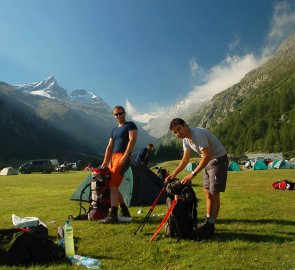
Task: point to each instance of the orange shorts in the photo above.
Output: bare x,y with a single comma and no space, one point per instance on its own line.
117,169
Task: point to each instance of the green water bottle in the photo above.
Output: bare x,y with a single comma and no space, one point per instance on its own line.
69,239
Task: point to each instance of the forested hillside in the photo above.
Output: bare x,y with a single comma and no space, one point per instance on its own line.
264,123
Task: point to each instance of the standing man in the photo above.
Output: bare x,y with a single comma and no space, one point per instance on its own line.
143,155
117,158
214,161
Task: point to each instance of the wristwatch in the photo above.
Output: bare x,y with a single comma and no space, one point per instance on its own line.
193,173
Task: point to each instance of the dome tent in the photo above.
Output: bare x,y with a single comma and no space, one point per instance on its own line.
233,166
283,164
8,171
259,165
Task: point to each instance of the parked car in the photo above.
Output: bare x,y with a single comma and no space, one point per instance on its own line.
38,165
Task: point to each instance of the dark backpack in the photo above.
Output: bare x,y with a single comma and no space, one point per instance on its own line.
99,194
283,185
28,246
183,220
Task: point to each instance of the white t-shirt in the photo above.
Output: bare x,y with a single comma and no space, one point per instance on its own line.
201,138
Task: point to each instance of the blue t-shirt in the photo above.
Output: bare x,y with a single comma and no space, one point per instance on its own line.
120,135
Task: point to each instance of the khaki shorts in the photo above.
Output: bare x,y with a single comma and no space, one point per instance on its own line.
215,175
117,169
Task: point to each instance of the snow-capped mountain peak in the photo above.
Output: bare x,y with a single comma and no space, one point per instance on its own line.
48,88
83,96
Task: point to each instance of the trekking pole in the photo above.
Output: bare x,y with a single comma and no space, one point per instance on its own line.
169,212
149,212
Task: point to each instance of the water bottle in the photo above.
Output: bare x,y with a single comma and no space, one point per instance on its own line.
85,261
69,239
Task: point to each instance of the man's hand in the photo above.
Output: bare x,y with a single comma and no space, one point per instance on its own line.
187,179
167,179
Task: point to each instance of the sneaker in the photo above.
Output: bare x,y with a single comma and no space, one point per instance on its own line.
124,219
125,216
109,219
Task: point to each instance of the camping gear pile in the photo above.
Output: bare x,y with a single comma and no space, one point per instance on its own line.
28,243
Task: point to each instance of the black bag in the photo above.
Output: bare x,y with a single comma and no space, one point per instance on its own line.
283,185
182,222
100,194
28,246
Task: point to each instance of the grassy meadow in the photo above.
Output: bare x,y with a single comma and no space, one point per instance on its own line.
255,229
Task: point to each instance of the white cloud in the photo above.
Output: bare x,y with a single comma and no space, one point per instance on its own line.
225,74
140,117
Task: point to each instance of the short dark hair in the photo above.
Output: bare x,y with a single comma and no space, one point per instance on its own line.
175,122
118,107
150,145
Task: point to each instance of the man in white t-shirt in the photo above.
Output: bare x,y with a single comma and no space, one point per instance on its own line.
214,161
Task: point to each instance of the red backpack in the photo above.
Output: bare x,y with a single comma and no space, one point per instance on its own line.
99,194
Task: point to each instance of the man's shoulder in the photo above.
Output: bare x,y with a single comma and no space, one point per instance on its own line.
199,130
131,125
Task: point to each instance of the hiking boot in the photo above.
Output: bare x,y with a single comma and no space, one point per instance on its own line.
202,224
125,214
109,219
206,230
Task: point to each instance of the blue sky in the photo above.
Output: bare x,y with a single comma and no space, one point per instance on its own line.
151,53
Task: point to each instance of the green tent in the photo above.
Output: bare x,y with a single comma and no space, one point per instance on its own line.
283,164
233,166
140,186
190,167
259,165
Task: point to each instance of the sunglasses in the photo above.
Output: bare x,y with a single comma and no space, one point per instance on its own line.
120,113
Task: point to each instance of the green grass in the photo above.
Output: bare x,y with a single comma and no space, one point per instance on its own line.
255,229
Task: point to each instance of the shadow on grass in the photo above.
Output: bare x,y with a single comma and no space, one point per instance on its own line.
250,237
257,221
151,220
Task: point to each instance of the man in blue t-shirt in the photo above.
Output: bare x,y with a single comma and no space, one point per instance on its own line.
118,158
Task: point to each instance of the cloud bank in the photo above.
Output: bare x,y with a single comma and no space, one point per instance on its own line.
221,76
